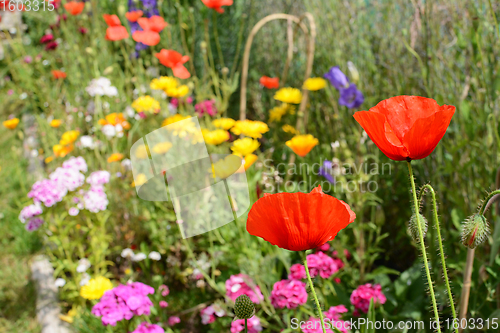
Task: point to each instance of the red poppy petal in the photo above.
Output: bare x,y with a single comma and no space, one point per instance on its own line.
144,23
426,133
184,59
111,20
116,33
297,221
148,37
377,128
157,23
181,72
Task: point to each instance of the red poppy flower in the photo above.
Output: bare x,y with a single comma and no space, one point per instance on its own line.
217,4
270,82
148,37
134,15
298,221
74,7
174,60
57,74
112,20
406,127
155,23
116,33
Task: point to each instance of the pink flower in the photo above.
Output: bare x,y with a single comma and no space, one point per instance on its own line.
148,328
335,312
28,59
240,284
48,192
361,297
207,106
46,38
71,179
313,325
325,247
98,178
322,264
77,163
297,272
208,314
164,290
29,212
51,46
163,304
253,325
34,223
173,320
289,294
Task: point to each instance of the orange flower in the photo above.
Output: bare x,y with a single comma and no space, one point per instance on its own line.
115,119
74,7
61,150
115,157
112,20
55,123
270,82
175,61
57,74
217,4
115,33
11,123
250,160
299,221
133,16
302,144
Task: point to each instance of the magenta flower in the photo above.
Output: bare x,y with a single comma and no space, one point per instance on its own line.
207,106
173,320
361,297
335,312
51,46
252,323
297,272
148,328
46,39
163,304
241,284
164,290
34,223
289,294
322,264
48,192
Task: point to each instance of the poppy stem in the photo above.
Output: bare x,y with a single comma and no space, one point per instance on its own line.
422,247
314,293
441,251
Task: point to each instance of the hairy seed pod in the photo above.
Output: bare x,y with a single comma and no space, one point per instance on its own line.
243,307
475,231
413,227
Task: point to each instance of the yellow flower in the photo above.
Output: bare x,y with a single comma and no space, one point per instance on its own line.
288,95
215,137
11,123
227,166
62,151
178,92
245,146
68,317
49,159
314,83
69,137
250,160
164,83
289,129
224,123
95,288
55,123
139,180
141,152
146,104
277,112
250,128
115,157
162,147
302,144
173,119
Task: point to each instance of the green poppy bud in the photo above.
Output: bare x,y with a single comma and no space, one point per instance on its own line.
413,226
475,231
243,307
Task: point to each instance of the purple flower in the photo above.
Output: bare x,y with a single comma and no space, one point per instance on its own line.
34,223
351,97
148,328
29,212
289,294
326,171
337,78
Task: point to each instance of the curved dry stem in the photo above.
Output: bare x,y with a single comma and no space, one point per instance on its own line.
289,55
248,46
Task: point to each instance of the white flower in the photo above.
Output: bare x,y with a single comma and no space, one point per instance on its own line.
101,87
109,130
127,253
139,257
153,255
87,141
83,265
127,164
60,282
85,279
129,112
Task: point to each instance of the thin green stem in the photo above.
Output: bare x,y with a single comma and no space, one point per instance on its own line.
314,293
440,241
246,325
485,202
422,247
217,42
